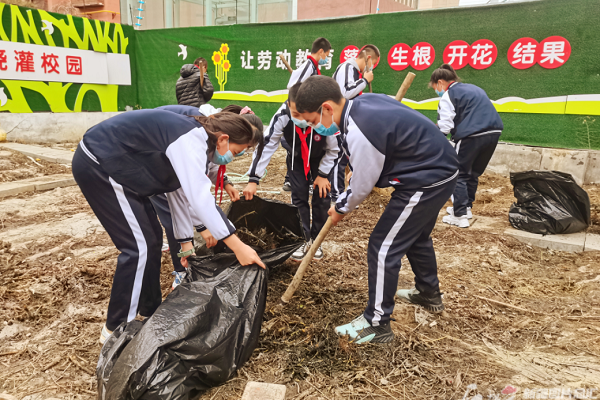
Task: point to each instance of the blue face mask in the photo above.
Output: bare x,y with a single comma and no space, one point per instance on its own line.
226,158
321,130
300,123
322,61
440,92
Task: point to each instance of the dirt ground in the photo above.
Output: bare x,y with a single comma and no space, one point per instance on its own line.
56,267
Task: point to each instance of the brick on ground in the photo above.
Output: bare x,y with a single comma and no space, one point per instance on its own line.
263,391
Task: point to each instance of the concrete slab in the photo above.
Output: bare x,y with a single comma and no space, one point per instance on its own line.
574,242
592,173
79,226
39,183
50,127
592,242
570,161
55,181
488,223
14,188
263,391
514,158
41,152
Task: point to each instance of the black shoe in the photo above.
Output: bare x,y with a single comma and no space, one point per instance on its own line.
287,187
430,303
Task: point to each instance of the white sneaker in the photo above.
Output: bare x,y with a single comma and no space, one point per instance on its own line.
461,222
299,254
104,334
450,210
319,254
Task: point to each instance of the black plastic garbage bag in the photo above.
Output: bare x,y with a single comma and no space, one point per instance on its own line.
209,326
548,202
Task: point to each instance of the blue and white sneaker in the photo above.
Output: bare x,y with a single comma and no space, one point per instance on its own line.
179,277
361,331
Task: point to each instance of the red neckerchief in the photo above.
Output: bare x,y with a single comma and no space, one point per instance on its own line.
315,63
220,181
304,148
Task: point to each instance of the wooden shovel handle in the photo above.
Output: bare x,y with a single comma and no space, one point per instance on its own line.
287,65
287,296
410,77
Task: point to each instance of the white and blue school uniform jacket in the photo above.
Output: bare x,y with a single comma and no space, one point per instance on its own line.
466,110
323,148
213,169
306,70
347,75
159,151
390,144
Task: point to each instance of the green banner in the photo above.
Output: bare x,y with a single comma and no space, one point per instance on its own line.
541,103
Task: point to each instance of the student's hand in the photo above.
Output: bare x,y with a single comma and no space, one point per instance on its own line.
234,195
250,190
208,238
368,76
244,253
185,247
335,216
322,185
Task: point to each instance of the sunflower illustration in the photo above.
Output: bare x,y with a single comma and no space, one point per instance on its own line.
217,57
226,65
222,64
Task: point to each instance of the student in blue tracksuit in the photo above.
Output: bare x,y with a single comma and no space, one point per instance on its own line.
389,145
353,76
310,157
468,115
160,202
123,161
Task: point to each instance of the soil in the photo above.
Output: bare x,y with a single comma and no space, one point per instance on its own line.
57,263
16,166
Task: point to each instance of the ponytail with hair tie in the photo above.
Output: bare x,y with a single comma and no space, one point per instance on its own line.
246,110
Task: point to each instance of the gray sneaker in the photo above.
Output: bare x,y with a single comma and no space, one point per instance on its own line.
432,303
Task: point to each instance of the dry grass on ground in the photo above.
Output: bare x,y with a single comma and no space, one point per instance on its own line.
56,267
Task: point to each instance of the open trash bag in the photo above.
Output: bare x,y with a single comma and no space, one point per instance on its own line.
548,202
208,326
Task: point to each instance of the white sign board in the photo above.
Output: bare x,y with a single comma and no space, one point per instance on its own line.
32,62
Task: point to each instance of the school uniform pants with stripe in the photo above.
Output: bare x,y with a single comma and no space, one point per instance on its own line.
474,154
404,229
130,221
300,193
161,205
